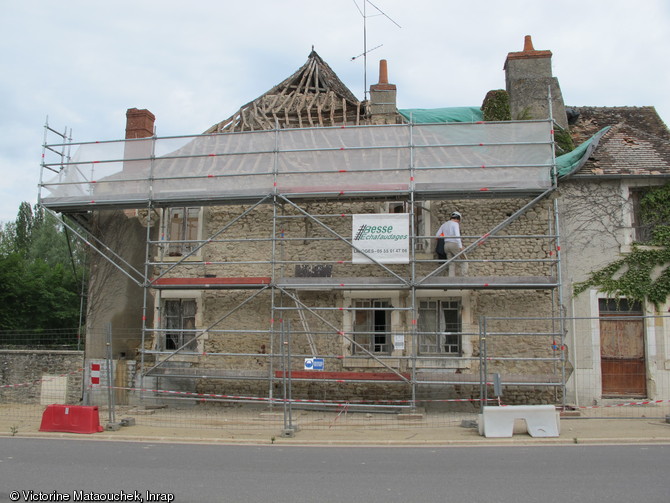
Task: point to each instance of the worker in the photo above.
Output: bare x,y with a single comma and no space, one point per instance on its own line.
450,232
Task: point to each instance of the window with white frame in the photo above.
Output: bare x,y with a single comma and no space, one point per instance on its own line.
179,324
440,327
181,230
372,326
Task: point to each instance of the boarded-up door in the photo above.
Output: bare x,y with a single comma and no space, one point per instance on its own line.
622,358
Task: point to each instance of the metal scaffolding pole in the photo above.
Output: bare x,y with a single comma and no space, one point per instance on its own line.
413,232
280,262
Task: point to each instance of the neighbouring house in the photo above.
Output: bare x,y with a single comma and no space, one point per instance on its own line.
295,241
620,348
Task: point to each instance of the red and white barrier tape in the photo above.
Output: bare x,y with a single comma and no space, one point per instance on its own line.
348,402
297,400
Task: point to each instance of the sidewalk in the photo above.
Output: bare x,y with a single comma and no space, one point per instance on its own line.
573,431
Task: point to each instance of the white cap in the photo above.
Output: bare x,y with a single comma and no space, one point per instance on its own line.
455,214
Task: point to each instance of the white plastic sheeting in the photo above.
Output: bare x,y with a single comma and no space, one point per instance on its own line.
429,158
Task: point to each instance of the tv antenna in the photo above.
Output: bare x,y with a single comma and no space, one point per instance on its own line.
365,52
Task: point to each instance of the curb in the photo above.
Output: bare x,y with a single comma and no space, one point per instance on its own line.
517,440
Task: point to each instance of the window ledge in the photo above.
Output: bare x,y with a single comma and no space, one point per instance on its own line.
181,357
443,362
640,246
369,362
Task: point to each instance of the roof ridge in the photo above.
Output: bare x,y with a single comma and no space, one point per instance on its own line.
642,133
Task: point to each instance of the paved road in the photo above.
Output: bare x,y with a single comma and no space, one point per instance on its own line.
221,473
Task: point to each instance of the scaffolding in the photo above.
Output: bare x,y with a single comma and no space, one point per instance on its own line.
319,180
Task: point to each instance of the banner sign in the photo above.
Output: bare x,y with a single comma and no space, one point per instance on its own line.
382,236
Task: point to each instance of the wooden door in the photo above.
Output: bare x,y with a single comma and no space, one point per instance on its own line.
622,359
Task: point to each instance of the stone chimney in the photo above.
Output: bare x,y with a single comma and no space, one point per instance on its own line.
383,109
528,79
139,123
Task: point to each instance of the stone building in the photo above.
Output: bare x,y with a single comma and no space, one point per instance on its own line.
295,240
620,348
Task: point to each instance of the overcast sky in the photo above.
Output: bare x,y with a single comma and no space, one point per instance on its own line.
84,63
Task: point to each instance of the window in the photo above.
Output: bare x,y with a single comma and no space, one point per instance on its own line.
642,232
179,324
440,326
619,306
181,230
372,326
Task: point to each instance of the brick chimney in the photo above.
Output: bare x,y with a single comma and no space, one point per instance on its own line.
139,123
528,78
137,153
383,109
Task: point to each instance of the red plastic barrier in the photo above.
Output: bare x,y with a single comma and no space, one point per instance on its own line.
71,419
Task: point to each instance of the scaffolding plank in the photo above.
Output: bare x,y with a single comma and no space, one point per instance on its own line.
210,283
343,376
434,282
362,283
489,282
70,205
209,373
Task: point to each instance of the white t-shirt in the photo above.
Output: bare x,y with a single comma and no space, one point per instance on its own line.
451,232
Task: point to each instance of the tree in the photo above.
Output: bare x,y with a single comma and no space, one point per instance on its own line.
23,228
41,273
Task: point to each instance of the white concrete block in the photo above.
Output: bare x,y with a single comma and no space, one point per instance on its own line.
498,422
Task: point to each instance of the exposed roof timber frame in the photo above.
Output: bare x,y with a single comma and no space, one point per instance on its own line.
314,80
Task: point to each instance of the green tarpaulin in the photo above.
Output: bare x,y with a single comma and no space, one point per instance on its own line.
569,163
566,164
442,115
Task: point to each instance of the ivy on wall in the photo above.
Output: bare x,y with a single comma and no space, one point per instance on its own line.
563,140
496,106
644,273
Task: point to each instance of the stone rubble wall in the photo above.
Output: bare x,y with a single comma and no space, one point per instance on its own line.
303,241
29,373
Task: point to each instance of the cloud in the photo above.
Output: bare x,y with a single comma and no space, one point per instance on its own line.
193,64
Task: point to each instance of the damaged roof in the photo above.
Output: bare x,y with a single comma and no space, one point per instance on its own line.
637,142
313,96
